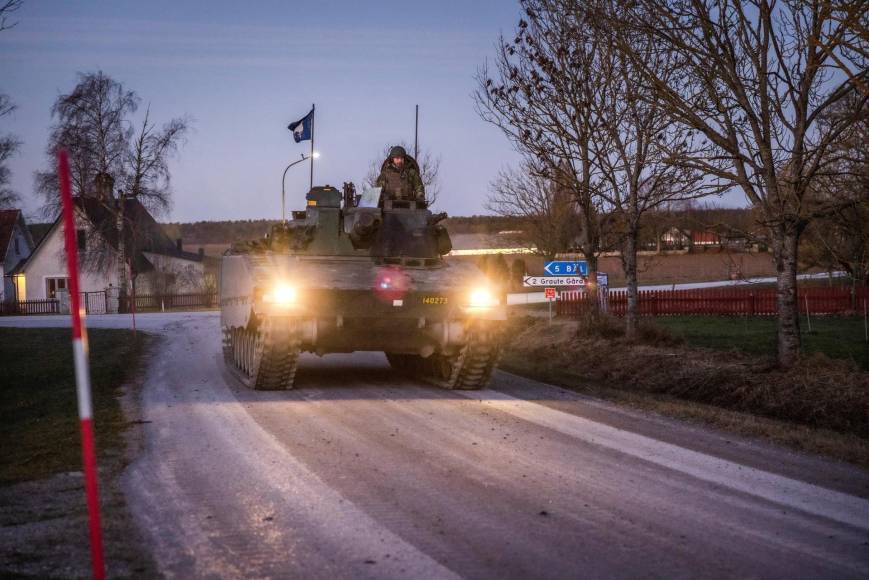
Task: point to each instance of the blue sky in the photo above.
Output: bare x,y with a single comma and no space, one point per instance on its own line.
243,71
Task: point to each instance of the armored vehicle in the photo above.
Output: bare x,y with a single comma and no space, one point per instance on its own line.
344,277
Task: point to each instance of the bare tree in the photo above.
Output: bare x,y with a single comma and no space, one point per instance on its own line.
9,144
840,240
8,147
539,93
548,212
147,162
637,147
754,78
147,179
93,126
7,7
429,169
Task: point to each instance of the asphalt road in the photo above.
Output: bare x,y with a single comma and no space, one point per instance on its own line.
362,473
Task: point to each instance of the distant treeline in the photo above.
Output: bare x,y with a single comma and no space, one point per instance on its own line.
218,232
225,232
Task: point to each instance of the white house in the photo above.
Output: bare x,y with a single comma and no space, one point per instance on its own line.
159,264
16,245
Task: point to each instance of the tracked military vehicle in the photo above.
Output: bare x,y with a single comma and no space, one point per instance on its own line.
343,277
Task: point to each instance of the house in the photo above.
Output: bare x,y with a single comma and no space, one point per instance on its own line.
159,265
16,245
676,238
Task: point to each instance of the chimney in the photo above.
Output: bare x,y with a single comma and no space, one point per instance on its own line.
178,244
103,185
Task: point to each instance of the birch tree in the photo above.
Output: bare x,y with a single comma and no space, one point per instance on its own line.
94,123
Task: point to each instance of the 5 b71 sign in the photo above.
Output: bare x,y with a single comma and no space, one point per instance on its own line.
566,268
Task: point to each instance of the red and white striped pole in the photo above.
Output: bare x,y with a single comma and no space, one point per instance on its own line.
82,372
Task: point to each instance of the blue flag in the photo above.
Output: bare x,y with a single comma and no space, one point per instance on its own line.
303,128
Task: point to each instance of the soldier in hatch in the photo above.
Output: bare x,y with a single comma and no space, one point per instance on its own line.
399,177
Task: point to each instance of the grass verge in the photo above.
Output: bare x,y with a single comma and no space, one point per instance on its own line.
820,406
839,337
41,486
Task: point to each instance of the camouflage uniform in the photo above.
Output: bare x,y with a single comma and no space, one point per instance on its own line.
404,183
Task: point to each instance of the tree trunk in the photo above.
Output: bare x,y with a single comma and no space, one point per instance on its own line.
629,262
591,287
785,244
122,253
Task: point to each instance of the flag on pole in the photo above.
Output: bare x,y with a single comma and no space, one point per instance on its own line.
303,128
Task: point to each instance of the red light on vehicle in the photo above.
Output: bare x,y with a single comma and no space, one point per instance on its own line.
391,283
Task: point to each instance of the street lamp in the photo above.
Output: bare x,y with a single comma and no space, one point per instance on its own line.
315,155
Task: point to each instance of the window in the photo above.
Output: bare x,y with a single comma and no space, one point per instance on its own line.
55,285
81,239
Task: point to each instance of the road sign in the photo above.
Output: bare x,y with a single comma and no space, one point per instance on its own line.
549,293
602,279
553,281
566,268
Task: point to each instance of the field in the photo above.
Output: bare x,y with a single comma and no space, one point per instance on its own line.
38,401
43,518
835,336
669,268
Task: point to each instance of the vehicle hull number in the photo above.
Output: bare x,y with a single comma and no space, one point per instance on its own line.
434,300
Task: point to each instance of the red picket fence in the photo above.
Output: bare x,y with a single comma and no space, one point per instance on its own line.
718,301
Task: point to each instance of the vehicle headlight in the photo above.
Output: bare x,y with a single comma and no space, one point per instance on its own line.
482,298
282,295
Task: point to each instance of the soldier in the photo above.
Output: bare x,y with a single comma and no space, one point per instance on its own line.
399,177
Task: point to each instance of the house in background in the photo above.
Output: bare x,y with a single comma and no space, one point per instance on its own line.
675,238
160,264
679,239
16,245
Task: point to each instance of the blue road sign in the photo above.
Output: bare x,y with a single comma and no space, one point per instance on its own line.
566,268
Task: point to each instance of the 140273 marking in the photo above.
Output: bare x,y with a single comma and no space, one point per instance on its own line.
434,300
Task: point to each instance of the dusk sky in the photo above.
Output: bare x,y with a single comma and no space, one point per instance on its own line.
243,71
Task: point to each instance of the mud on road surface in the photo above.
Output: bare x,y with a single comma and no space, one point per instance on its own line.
360,472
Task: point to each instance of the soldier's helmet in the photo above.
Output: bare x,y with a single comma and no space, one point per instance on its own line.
397,151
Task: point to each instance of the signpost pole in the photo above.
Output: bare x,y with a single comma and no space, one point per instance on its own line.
82,373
